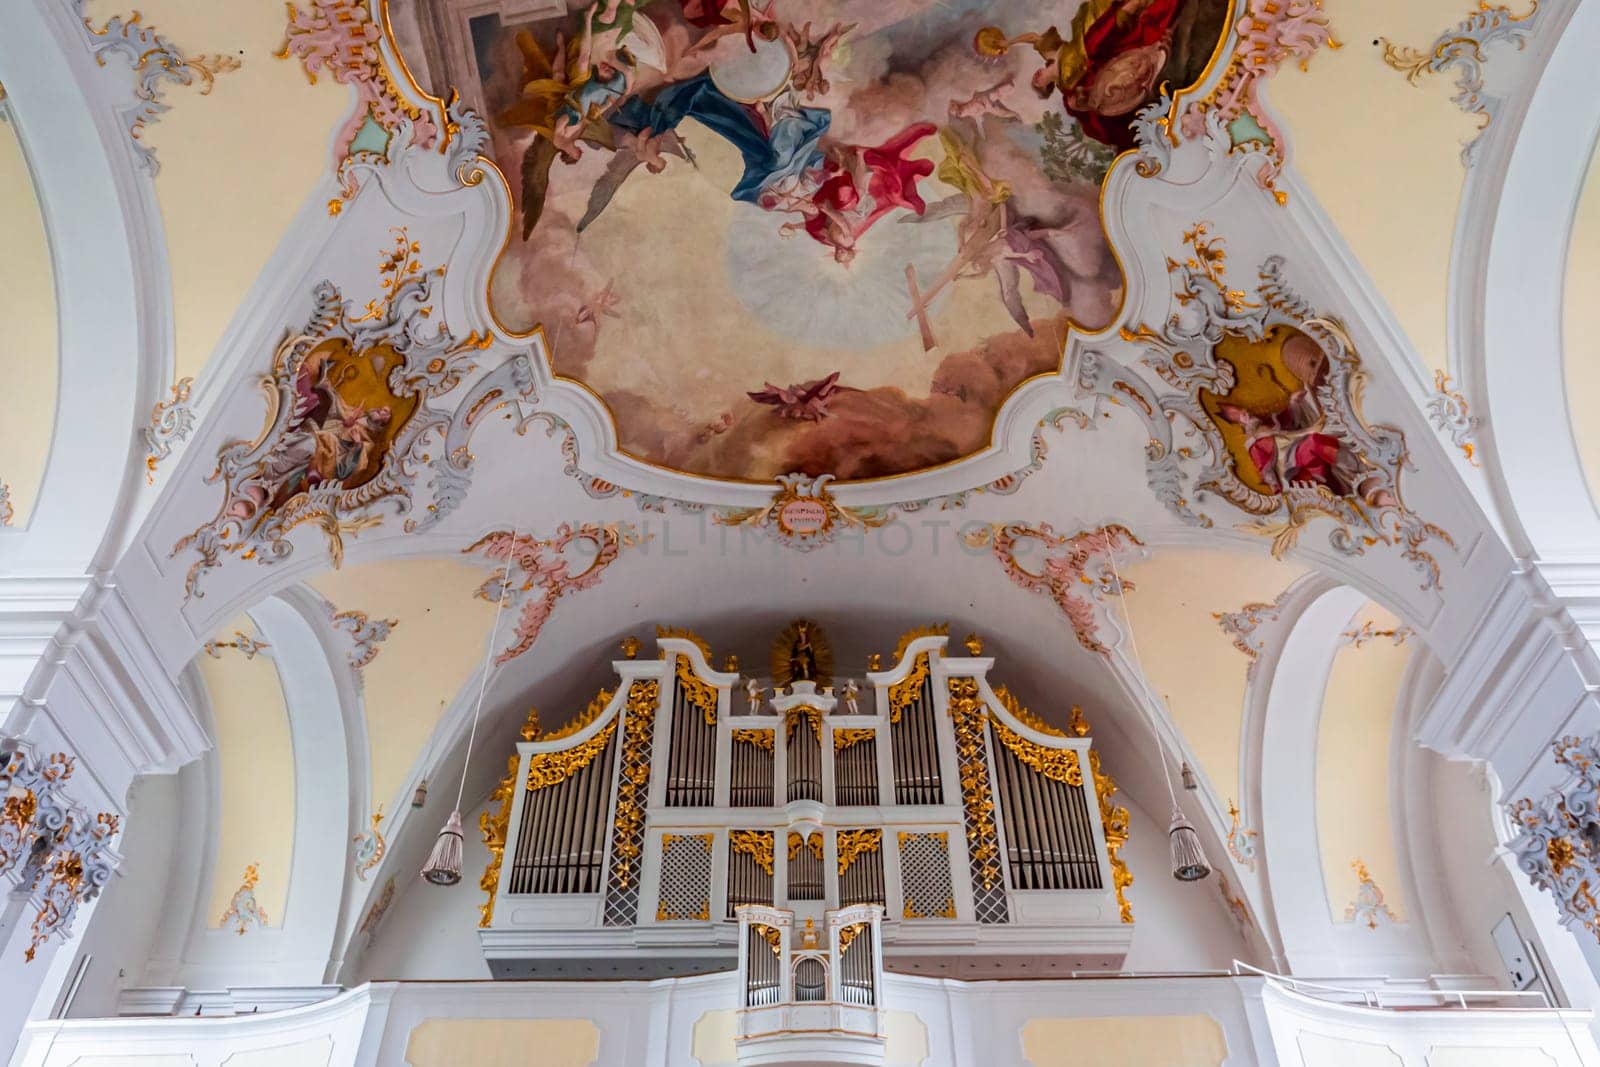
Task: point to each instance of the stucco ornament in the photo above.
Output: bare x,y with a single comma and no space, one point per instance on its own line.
1559,844
1074,571
35,805
536,573
157,65
1253,398
78,866
351,420
1463,49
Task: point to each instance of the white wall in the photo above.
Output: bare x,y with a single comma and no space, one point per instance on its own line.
960,1024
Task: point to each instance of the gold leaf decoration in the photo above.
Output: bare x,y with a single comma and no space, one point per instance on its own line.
1115,821
801,653
757,844
684,634
759,738
1060,764
853,843
581,721
546,769
939,629
701,694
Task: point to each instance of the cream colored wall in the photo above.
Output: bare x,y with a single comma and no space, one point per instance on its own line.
1353,815
1483,1056
28,354
905,1039
503,1043
256,768
1321,1050
440,640
1580,342
1125,1041
237,164
1186,655
1382,156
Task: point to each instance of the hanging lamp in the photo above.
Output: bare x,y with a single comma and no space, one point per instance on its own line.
444,862
1188,857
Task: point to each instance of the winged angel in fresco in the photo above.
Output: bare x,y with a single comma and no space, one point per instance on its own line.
622,85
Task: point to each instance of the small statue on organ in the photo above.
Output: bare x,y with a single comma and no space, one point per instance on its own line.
753,689
851,691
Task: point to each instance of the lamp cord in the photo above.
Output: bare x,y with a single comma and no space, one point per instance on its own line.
488,657
1133,644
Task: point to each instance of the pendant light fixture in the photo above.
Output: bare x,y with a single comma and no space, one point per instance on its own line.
444,862
1188,858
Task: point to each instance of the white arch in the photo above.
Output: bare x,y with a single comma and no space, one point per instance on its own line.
1541,475
109,260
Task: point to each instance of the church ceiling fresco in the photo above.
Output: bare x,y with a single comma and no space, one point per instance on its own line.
828,238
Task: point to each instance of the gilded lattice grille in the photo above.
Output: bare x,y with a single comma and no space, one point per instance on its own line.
633,794
925,876
685,877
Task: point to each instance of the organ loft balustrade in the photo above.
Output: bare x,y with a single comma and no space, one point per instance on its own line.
641,837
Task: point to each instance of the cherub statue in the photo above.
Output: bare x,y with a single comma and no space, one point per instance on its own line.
756,694
850,692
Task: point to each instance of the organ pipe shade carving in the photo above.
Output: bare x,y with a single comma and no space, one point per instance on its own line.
860,866
750,868
1114,821
752,768
914,743
692,758
803,748
562,838
805,870
633,792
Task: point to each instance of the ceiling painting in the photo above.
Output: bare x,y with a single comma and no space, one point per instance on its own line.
827,239
28,351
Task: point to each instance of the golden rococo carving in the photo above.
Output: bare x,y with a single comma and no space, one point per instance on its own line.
633,784
757,844
546,769
852,844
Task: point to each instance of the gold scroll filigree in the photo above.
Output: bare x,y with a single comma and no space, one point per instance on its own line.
494,828
977,798
634,782
1114,820
812,844
811,714
1060,764
843,739
848,934
757,844
771,935
853,843
904,693
759,738
1020,712
546,769
701,694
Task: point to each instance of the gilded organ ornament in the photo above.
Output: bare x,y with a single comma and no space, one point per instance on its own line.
802,653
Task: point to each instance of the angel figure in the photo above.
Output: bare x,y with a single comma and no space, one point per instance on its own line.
991,238
807,402
807,54
851,693
755,694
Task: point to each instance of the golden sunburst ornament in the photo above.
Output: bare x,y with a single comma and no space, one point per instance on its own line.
801,653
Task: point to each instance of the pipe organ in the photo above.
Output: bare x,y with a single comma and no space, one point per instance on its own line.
641,837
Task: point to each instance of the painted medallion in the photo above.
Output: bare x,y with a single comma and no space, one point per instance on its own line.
827,237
